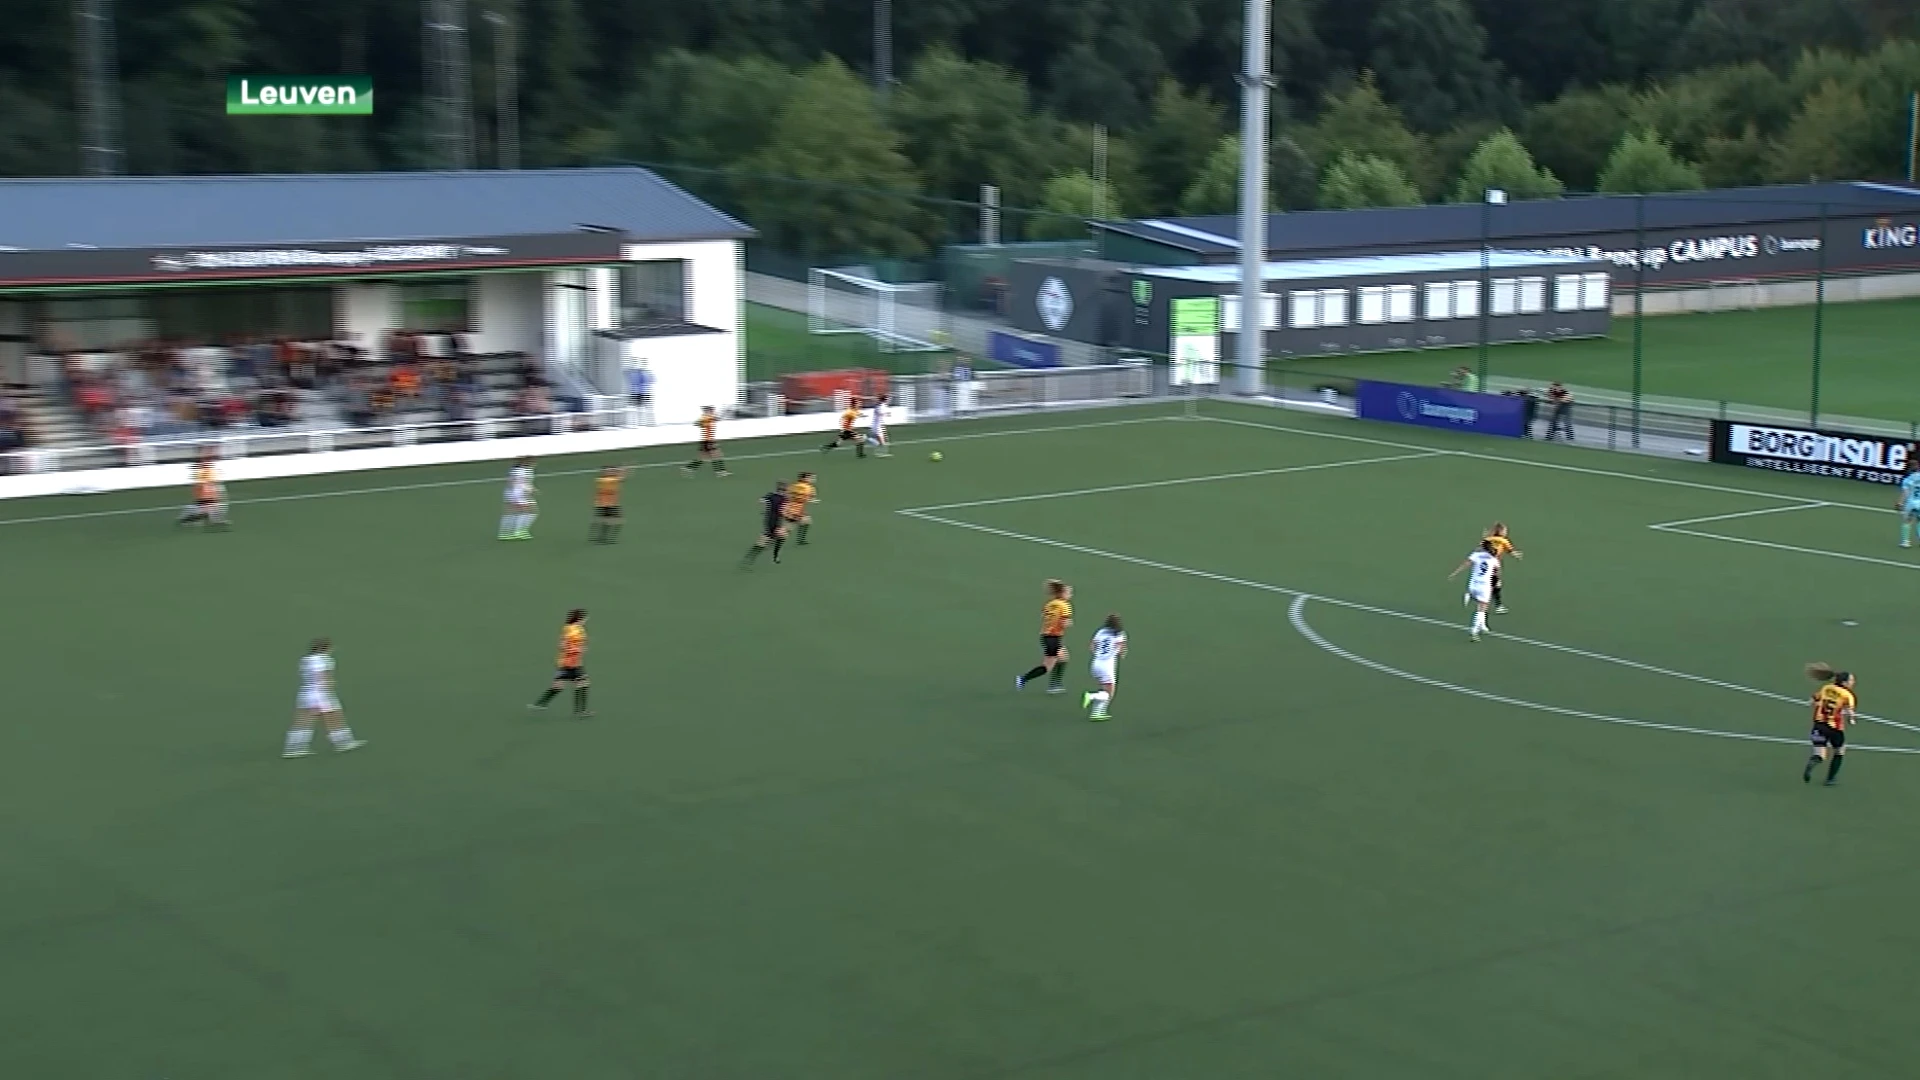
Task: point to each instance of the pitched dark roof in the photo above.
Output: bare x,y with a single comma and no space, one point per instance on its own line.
221,211
1459,224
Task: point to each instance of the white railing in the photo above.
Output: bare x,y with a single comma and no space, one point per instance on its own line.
922,396
266,441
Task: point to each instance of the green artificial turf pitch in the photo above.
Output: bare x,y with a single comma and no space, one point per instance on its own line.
1762,358
814,831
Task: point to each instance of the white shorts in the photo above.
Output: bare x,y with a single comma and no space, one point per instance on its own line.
1480,593
877,434
319,703
1103,673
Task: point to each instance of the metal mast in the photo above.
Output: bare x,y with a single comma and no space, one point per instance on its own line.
1255,84
883,48
100,151
449,98
506,88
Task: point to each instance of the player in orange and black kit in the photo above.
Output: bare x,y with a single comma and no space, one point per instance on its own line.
773,526
848,431
570,667
606,506
793,513
1832,713
209,506
1055,617
1502,546
709,425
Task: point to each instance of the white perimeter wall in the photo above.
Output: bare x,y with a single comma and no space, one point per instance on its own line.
135,477
702,369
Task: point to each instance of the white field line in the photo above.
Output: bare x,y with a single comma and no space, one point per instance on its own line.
1249,474
384,488
1741,514
1558,466
1297,616
1206,575
1770,545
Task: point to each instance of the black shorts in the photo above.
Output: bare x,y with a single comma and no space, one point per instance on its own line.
570,674
1828,736
772,526
1049,645
708,448
606,511
849,436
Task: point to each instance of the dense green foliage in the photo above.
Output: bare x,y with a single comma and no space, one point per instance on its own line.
1452,94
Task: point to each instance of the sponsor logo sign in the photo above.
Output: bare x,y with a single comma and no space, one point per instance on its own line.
1842,455
1887,235
1055,304
1453,410
133,265
1015,351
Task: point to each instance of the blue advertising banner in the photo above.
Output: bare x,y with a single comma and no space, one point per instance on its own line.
1015,351
1428,406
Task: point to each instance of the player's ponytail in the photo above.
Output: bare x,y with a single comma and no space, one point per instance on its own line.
1820,672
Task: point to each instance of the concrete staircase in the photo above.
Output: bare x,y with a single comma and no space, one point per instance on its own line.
49,422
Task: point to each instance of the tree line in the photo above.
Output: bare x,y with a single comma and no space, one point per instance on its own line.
771,106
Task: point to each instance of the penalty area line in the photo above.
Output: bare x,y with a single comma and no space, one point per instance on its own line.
1742,514
1297,616
1406,616
1795,548
1176,482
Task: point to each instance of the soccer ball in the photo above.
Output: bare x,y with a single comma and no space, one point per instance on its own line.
935,456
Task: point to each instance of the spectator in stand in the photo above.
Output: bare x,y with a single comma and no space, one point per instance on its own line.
358,406
1561,419
13,437
405,378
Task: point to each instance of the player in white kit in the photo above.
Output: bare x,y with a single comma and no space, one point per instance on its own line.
877,427
318,704
1109,645
519,508
1482,565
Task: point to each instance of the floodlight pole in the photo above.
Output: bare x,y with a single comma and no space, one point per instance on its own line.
505,92
1639,303
1493,197
1819,320
1913,135
883,49
1256,82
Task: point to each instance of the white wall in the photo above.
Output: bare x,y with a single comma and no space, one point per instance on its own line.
688,374
702,369
240,468
1732,296
364,312
511,313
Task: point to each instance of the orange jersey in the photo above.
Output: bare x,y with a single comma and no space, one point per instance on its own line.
708,425
573,646
1833,706
204,485
606,492
799,494
1054,618
849,418
1502,547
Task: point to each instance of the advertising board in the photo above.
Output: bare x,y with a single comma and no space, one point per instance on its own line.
1840,455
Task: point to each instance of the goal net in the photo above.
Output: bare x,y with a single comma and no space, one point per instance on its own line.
898,317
